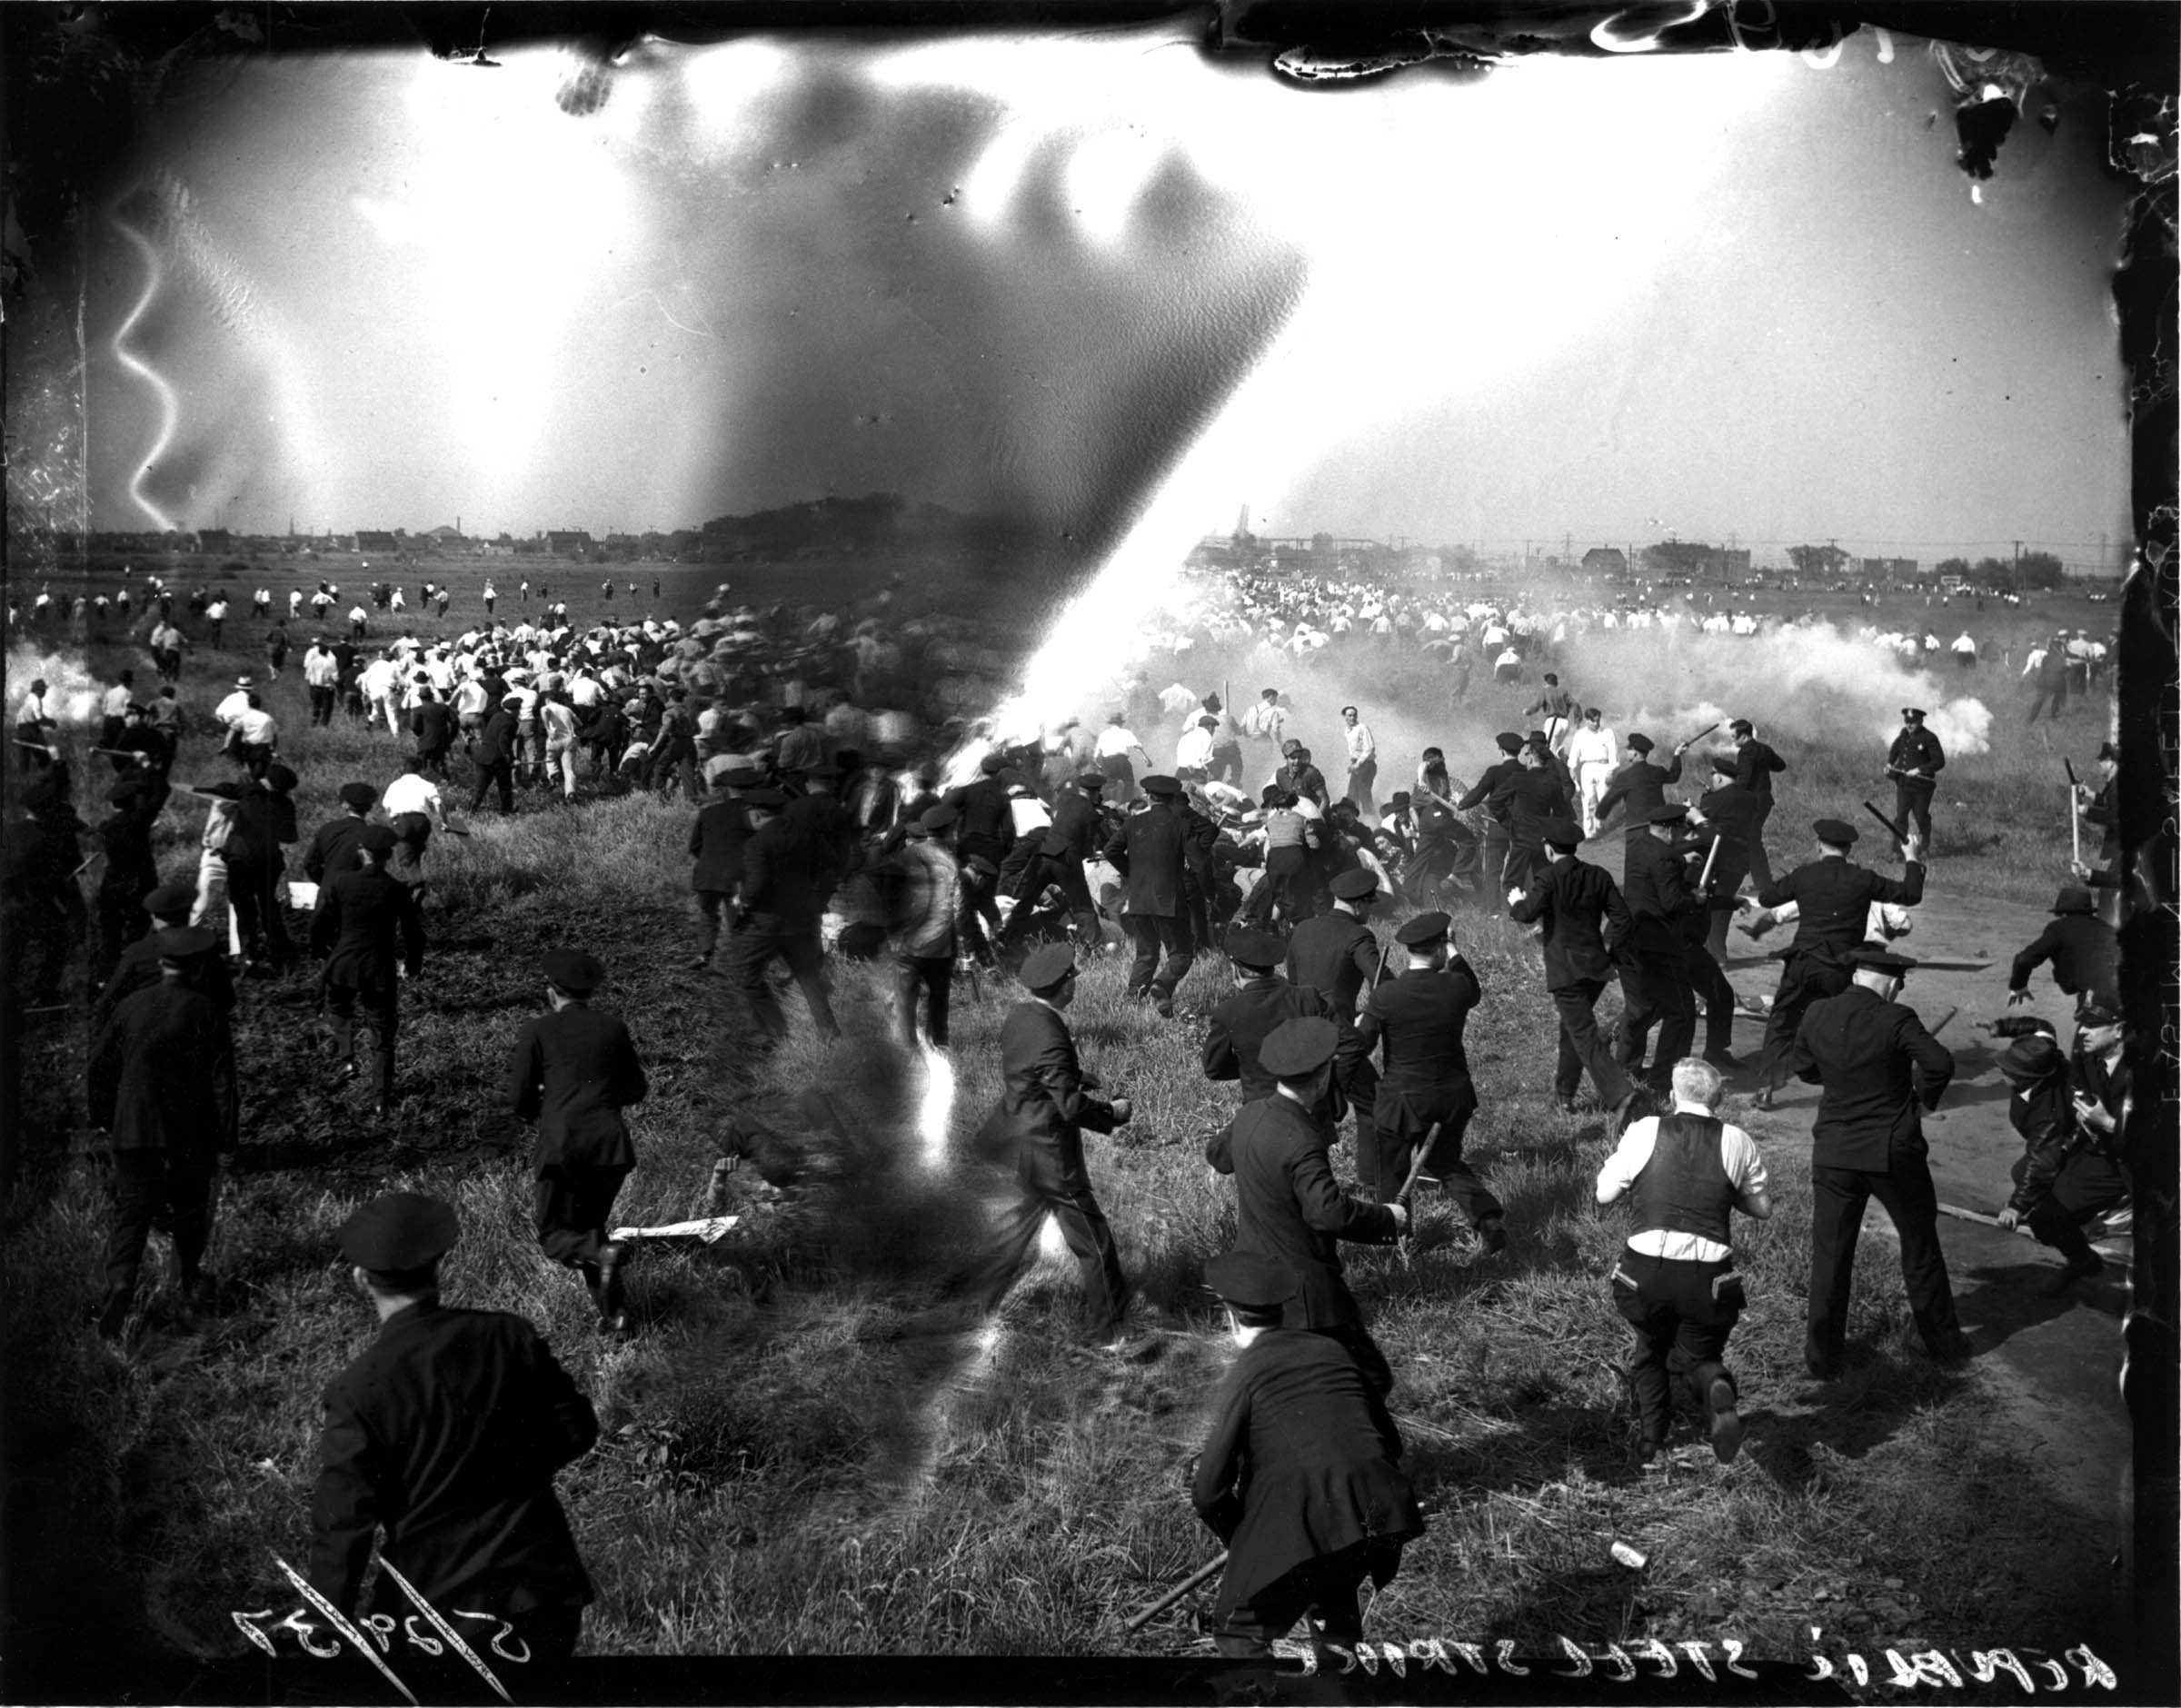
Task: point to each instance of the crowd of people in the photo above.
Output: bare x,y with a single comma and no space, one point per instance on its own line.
823,829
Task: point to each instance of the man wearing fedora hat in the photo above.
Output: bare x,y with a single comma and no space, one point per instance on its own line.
1878,1069
1046,1104
1833,896
1914,763
369,928
1301,1474
160,1079
573,1070
444,1434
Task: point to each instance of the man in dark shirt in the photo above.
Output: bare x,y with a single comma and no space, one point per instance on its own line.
1833,895
1078,833
1337,955
494,754
573,1070
138,968
1151,851
1914,763
444,1434
1301,1474
1528,798
2084,950
777,916
1639,786
1262,1001
333,850
432,725
715,843
1493,873
265,821
1585,919
130,872
1653,978
1878,1068
1751,765
369,928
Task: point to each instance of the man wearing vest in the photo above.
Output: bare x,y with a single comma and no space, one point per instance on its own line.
1684,1174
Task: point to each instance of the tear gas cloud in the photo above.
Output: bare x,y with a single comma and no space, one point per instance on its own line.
72,696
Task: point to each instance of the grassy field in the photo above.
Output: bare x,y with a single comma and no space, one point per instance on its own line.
814,1445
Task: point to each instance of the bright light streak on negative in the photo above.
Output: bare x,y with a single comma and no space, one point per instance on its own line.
170,408
935,1113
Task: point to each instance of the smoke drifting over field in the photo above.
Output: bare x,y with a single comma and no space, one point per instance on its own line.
1803,686
72,697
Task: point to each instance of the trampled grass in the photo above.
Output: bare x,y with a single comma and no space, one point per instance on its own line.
817,1444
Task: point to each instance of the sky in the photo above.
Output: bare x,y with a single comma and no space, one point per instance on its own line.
1105,282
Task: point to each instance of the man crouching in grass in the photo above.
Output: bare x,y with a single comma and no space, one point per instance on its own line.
1686,1173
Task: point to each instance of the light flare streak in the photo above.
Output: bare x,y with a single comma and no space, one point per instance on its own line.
170,407
935,1111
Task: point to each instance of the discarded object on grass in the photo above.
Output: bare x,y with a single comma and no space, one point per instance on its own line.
1629,1557
302,893
708,1230
1175,1594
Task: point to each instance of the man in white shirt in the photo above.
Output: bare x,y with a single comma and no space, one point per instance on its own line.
1115,752
1965,651
1362,762
294,604
1192,753
381,683
256,736
321,679
1686,1173
412,806
237,703
1590,754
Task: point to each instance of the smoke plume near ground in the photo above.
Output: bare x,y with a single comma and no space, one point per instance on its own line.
72,695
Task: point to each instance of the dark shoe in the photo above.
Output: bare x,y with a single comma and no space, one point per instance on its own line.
2078,1269
1647,1449
1725,1428
1492,1232
611,1257
1763,1099
1823,1365
1954,1351
1165,1006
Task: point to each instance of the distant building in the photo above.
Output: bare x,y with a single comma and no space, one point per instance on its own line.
568,542
379,539
1604,561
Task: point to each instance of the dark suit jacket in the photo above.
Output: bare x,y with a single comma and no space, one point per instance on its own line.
1834,895
1866,1053
1642,785
1078,823
1917,749
1335,955
1302,1461
987,825
1045,1103
1150,851
365,919
263,820
1421,1016
332,851
1752,767
778,878
445,1432
1581,907
1240,1023
432,725
828,830
1288,1205
1658,897
496,740
161,1074
138,969
572,1073
715,842
2085,953
1525,801
1488,785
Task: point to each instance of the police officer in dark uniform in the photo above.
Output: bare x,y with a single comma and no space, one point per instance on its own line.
1494,874
1301,1474
1287,1204
1262,1000
444,1434
2084,950
778,912
1751,765
573,1070
1584,919
1045,1107
1336,955
1653,978
1734,814
1530,797
1878,1068
988,819
138,968
370,928
160,1079
1420,1016
333,849
1639,784
1703,854
1151,851
1914,763
1834,895
715,843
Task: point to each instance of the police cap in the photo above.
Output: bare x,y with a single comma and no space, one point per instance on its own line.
361,796
1424,930
1641,743
1161,787
181,942
1562,832
1296,1049
398,1231
171,898
1246,947
1913,714
1668,814
1042,969
574,971
1250,1281
2091,1011
1509,741
1836,832
1359,885
939,818
377,839
993,763
1090,781
2074,899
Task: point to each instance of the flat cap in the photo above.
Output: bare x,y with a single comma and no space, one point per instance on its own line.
361,796
281,776
2031,1058
1044,968
768,797
1359,885
1162,786
993,763
1562,832
1641,743
1250,1281
2074,899
399,1230
574,971
1837,831
1509,741
1423,930
171,898
1290,745
939,818
377,839
1091,780
180,942
1668,814
1873,958
1294,1049
1246,947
